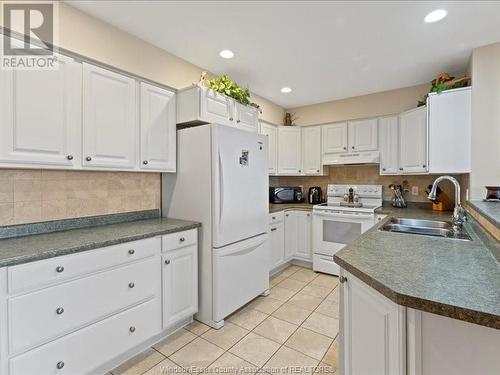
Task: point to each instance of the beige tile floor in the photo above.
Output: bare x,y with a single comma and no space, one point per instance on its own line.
296,325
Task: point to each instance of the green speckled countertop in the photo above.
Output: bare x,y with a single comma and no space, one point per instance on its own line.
490,210
457,279
289,206
25,249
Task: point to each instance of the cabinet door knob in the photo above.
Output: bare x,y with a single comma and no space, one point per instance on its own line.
59,311
238,121
317,170
132,329
131,285
273,229
69,157
182,239
231,119
274,217
131,251
352,147
88,158
300,171
145,162
400,169
383,169
60,365
424,166
167,261
59,269
343,279
345,148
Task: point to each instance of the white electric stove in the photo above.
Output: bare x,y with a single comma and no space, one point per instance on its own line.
348,212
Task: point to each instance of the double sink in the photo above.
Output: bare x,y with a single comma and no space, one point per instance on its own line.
432,228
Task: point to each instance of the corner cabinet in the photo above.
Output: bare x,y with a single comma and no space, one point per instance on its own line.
289,150
40,115
372,330
110,126
158,130
413,141
298,227
271,132
201,105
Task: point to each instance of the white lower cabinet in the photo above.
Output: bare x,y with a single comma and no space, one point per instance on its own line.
78,314
180,284
372,331
290,237
378,336
276,245
304,241
87,349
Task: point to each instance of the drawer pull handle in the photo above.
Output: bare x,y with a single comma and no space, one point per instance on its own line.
274,217
131,251
132,329
182,239
59,311
60,365
167,261
59,269
273,229
131,285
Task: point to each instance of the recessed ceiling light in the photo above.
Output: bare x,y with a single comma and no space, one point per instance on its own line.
435,16
226,54
286,90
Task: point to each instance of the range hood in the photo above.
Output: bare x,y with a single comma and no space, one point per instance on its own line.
363,157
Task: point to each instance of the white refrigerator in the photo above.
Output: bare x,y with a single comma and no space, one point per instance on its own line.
222,182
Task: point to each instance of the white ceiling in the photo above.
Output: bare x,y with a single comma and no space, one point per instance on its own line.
324,50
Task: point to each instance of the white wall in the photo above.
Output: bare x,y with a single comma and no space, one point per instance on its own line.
485,119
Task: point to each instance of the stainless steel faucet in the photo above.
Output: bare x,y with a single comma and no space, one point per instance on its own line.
459,216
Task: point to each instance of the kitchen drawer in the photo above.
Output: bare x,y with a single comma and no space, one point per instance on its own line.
83,351
177,240
45,314
276,217
36,275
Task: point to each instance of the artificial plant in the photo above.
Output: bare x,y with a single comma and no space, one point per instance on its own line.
227,86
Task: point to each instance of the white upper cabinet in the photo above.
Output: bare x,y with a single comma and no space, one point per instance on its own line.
363,135
311,150
158,128
413,141
40,115
450,131
334,138
271,132
216,107
110,123
388,128
246,117
289,150
199,105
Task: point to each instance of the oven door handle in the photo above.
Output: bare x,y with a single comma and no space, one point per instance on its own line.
345,216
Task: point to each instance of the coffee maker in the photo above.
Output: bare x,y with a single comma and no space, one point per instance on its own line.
314,196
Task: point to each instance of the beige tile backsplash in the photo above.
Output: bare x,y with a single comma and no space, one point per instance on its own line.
28,196
369,175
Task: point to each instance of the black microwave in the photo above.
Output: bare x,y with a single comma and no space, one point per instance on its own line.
285,194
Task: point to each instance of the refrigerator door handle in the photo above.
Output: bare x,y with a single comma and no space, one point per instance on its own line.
221,189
